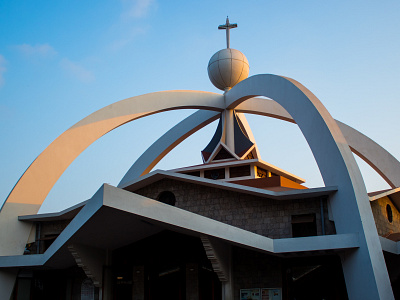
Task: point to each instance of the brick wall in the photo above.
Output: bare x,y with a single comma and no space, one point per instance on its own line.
263,216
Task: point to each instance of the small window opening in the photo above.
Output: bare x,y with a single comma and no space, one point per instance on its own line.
304,225
214,174
239,171
262,173
167,197
194,173
389,213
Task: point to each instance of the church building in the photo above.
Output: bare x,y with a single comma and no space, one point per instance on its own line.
232,228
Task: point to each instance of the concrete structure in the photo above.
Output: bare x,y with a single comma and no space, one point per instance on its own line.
235,227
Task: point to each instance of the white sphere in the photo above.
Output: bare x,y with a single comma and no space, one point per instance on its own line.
227,67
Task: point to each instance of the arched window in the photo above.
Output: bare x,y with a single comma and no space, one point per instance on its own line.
167,197
389,213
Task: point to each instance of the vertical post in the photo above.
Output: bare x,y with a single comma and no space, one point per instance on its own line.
7,282
229,129
107,278
192,281
322,216
138,283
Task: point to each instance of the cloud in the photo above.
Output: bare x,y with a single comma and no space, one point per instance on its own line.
36,51
2,69
77,70
128,37
134,9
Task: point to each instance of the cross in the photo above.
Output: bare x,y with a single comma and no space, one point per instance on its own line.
227,27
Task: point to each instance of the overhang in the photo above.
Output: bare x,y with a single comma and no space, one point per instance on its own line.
114,218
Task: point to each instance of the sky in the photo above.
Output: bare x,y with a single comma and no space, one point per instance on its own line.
62,60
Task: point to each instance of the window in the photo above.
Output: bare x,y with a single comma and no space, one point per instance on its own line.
262,173
167,197
389,213
194,173
304,225
214,174
239,171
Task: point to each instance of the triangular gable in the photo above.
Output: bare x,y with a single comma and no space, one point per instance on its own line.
222,152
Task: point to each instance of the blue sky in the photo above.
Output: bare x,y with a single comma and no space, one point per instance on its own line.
62,60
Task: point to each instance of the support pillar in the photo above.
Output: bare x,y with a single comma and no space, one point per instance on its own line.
229,129
138,283
192,281
220,255
108,278
7,282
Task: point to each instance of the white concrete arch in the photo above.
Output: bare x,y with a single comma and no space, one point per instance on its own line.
373,154
350,206
37,181
385,164
364,269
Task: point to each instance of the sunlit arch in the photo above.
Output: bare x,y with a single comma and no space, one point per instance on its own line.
52,162
34,185
349,205
387,166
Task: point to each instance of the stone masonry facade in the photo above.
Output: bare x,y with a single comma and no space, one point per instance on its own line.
267,217
379,210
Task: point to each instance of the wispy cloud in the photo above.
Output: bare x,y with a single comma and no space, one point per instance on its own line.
3,69
134,9
129,35
77,70
36,51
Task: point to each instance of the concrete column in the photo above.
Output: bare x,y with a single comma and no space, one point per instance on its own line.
108,278
227,286
220,256
227,290
229,129
7,282
138,283
192,281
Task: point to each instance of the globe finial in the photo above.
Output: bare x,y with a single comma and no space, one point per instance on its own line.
228,66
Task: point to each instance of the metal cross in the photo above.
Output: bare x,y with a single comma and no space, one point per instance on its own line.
227,27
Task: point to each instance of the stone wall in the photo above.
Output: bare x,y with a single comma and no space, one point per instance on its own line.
381,217
267,217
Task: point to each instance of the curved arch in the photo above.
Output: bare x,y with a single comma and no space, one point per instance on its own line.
168,141
372,153
385,164
53,161
37,181
350,206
